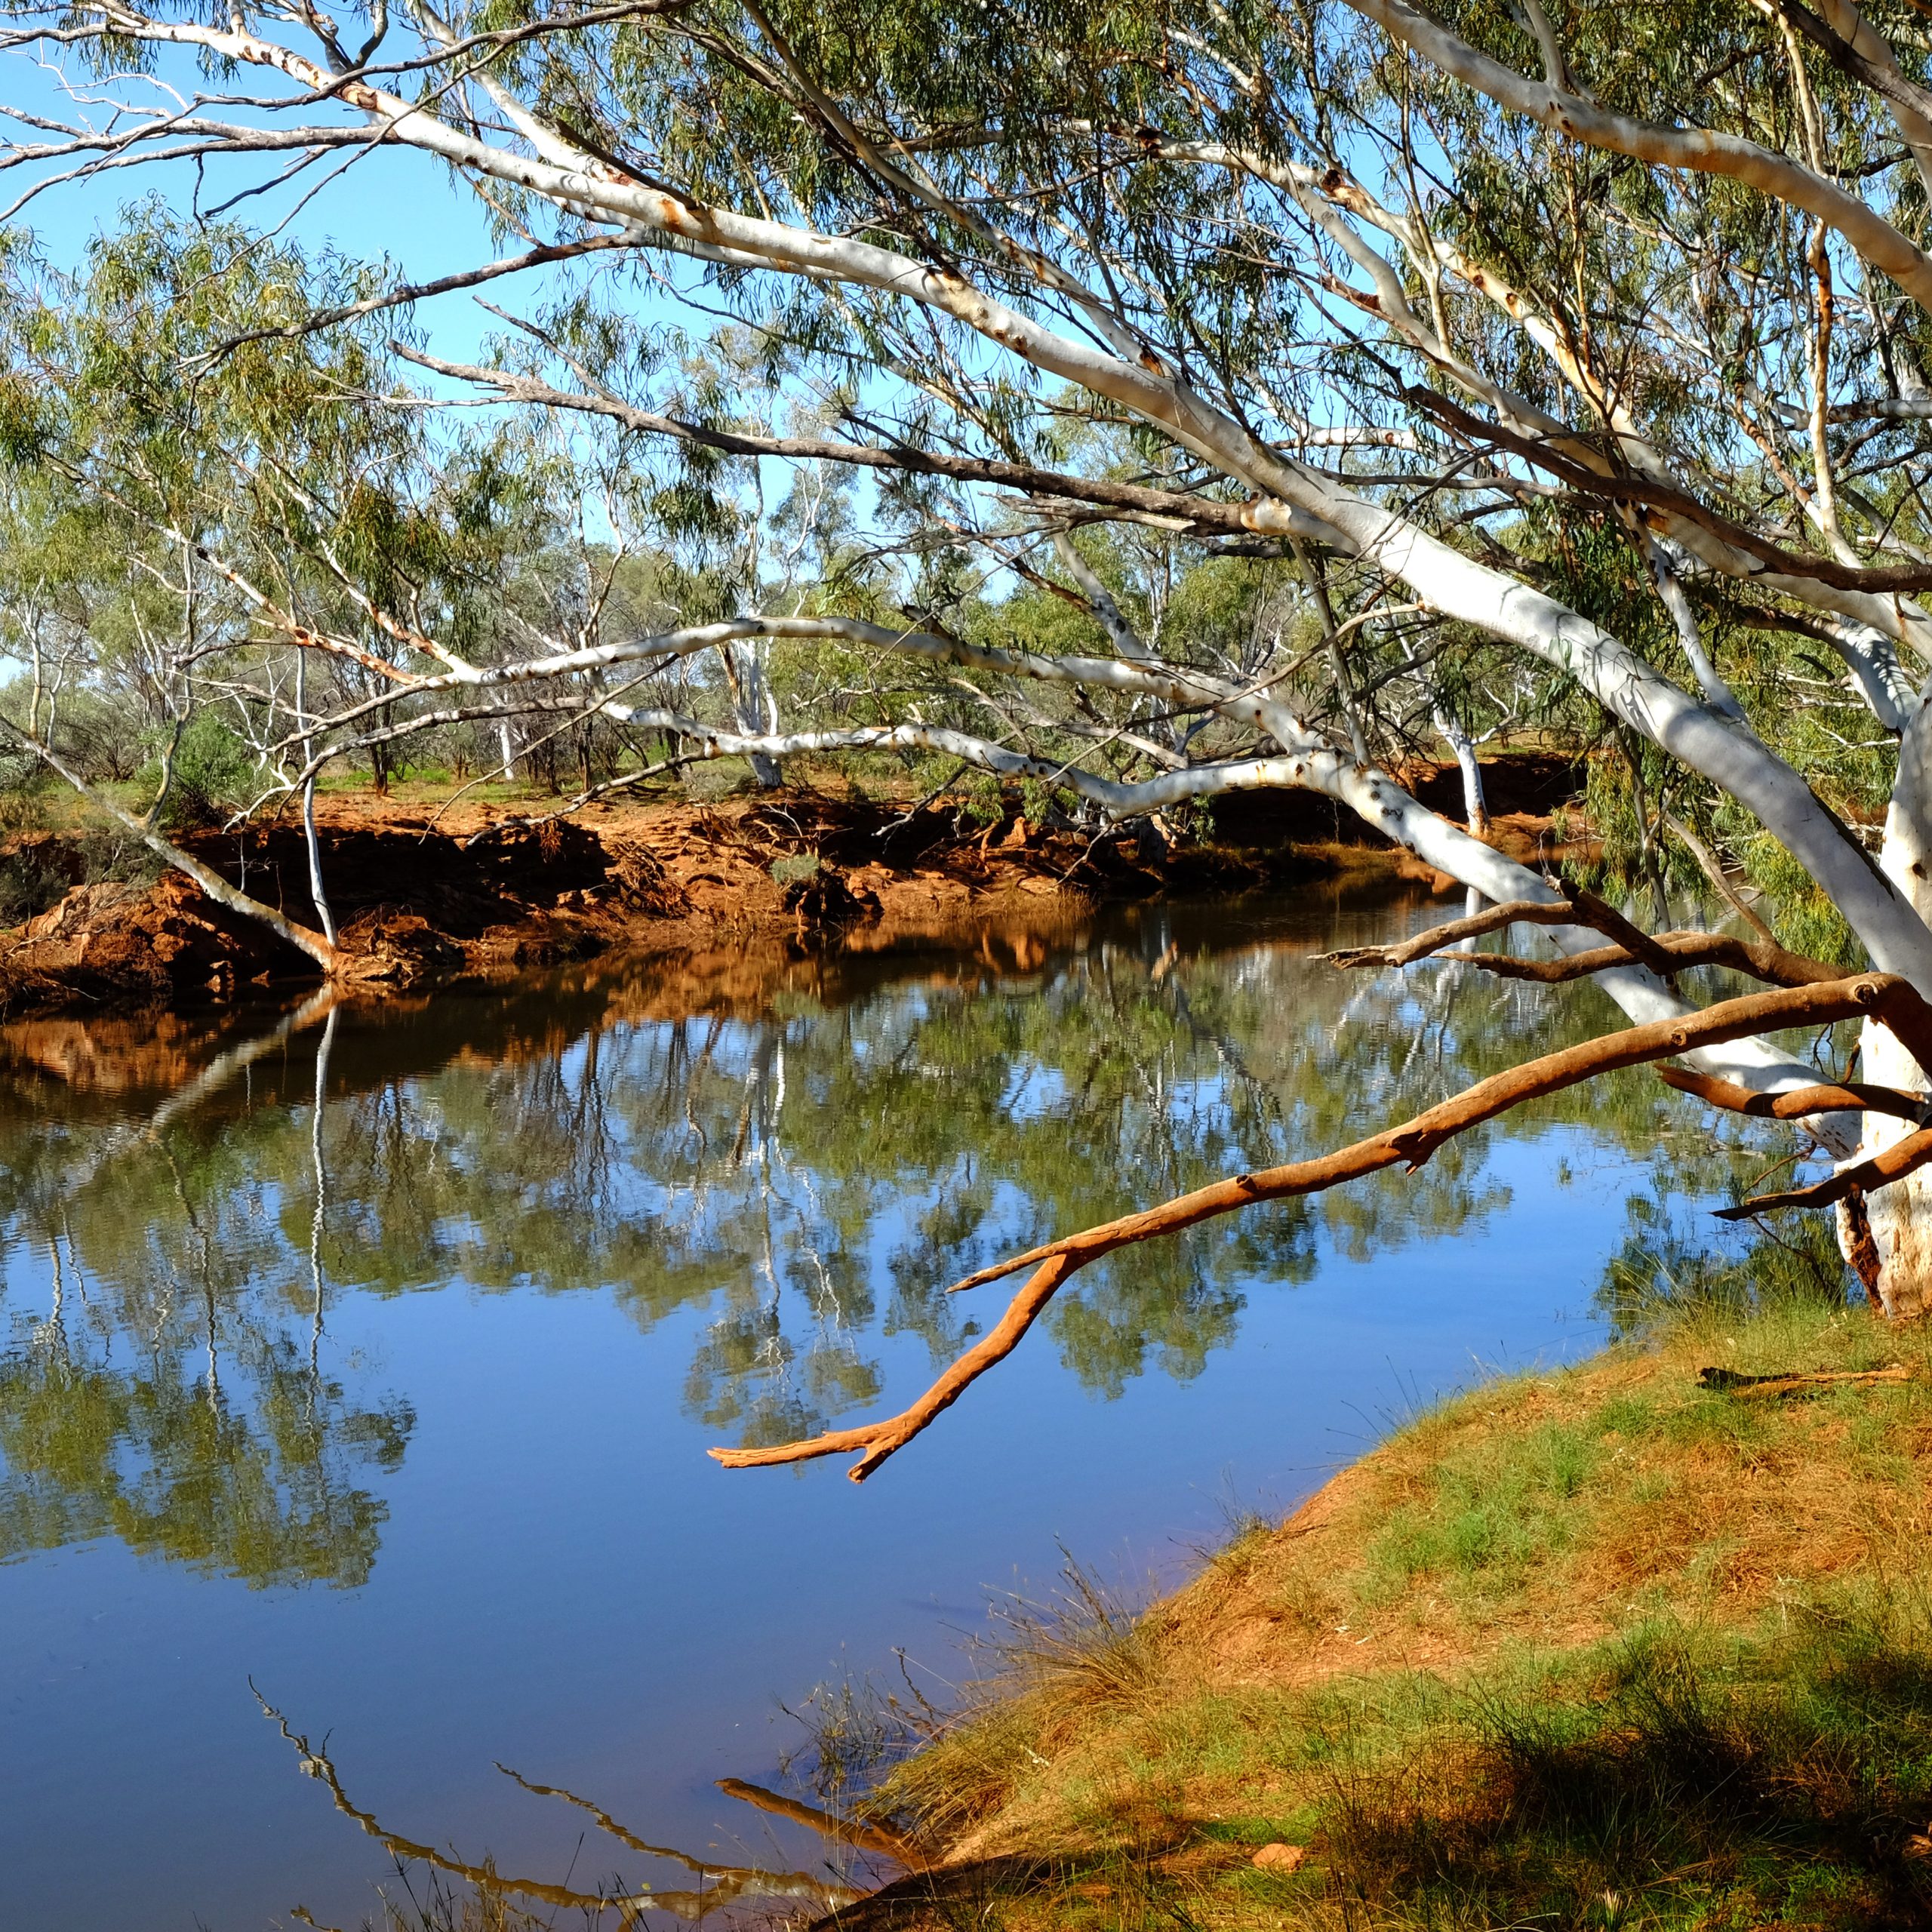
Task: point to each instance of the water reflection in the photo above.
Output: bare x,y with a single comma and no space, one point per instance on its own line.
874,1853
439,1304
806,1154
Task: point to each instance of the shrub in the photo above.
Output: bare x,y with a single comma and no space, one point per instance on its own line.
214,769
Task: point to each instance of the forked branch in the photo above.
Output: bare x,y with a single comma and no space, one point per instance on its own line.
1882,996
1665,953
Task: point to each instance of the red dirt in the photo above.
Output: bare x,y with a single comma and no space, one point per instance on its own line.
476,894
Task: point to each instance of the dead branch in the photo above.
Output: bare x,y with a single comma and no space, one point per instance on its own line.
1893,1163
1755,1386
1845,1097
1708,863
1677,952
1883,996
1664,953
1518,912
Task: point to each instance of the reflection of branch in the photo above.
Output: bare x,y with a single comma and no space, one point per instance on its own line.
315,1764
321,1189
1883,996
607,1822
731,1881
223,1068
880,1839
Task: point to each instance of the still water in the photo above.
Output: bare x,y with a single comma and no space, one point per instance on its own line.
360,1367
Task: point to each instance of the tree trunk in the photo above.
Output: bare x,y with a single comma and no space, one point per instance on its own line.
1475,804
753,707
1897,1261
316,890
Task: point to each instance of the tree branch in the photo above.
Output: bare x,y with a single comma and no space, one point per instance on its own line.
1885,997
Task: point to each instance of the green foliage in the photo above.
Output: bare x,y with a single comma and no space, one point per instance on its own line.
1804,918
795,868
209,770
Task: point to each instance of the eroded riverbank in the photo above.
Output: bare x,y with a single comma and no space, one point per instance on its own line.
427,892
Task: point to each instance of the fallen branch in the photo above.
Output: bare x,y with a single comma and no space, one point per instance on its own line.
303,938
1750,1387
1882,996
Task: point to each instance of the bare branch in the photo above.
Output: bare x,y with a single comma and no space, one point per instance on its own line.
1880,996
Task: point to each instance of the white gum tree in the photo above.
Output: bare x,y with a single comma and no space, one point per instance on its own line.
1568,355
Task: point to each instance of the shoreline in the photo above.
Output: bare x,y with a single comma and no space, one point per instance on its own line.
1591,1646
471,896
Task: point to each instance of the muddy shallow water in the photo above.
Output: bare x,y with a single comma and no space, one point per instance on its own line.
360,1367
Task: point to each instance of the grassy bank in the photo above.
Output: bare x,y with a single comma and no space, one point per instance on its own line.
1606,1646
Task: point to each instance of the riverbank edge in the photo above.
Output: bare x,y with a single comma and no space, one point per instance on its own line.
1636,1641
425,896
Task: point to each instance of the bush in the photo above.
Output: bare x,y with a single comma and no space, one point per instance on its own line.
30,882
38,870
214,773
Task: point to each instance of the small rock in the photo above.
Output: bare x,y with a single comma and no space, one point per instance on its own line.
1279,1857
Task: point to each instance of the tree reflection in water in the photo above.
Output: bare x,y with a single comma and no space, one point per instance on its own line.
714,1887
803,1154
775,1167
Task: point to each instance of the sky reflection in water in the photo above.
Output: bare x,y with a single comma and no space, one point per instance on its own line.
574,1232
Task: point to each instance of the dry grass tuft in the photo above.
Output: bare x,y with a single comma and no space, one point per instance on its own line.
1601,1647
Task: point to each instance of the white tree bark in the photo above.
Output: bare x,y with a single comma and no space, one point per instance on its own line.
1475,804
217,888
317,891
1900,1216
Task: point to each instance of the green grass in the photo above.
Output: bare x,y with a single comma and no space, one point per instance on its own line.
1600,1648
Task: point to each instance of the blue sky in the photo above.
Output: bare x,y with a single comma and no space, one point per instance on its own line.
393,202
